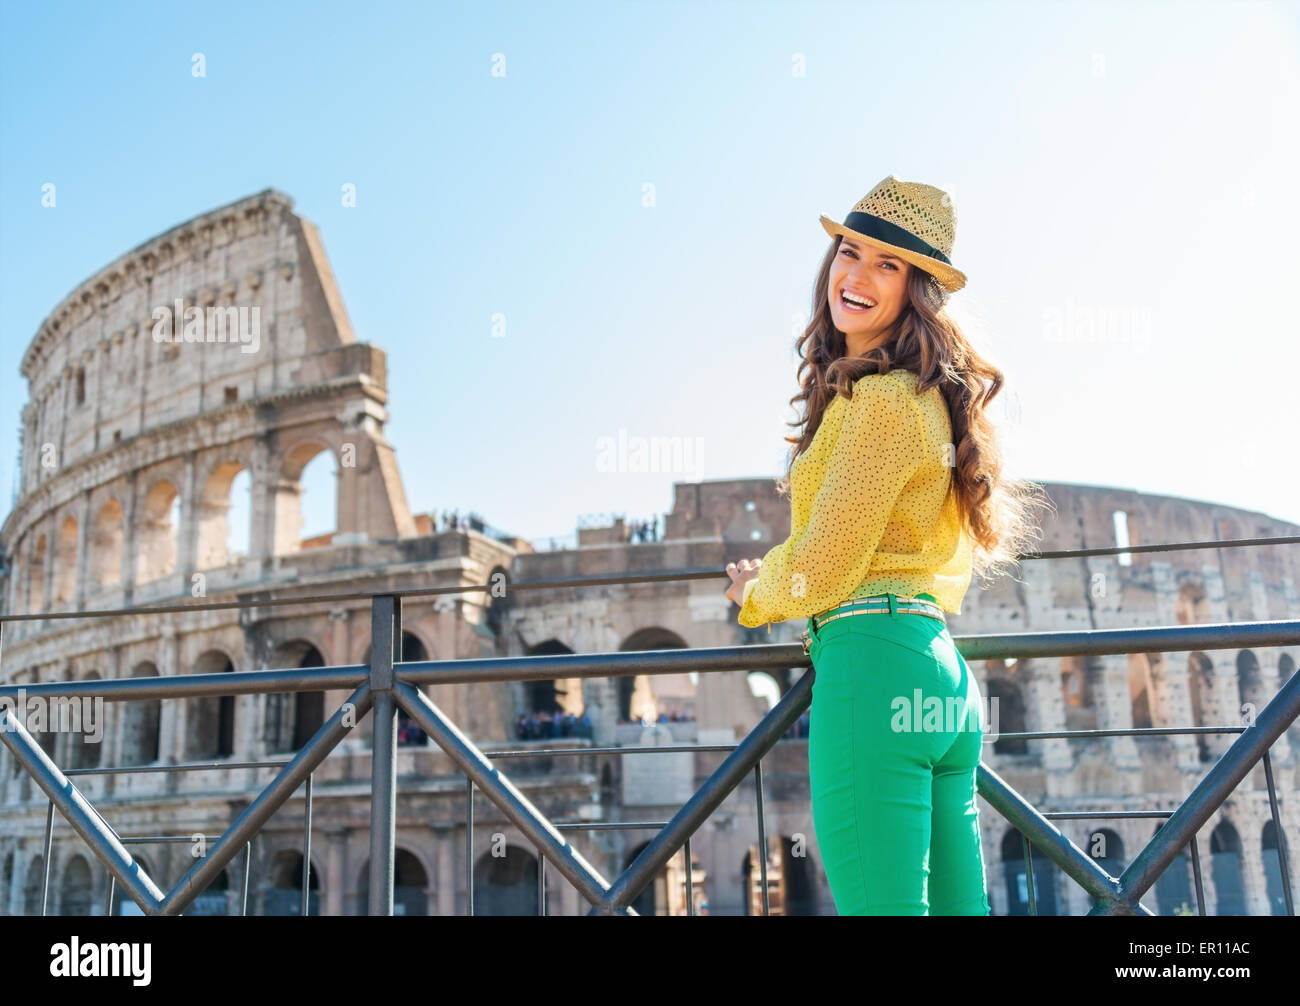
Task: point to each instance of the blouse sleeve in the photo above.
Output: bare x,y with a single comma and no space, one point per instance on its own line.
877,451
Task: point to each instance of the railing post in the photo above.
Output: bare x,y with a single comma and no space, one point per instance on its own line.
1281,836
762,835
385,637
306,851
469,846
243,883
49,839
1196,872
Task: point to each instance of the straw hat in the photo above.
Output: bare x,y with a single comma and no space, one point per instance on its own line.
914,221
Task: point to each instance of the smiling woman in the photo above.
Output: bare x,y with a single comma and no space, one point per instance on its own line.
897,497
868,292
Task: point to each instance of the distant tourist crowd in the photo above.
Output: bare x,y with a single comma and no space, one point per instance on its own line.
641,531
545,725
646,721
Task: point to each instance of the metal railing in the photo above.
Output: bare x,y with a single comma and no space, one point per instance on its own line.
387,685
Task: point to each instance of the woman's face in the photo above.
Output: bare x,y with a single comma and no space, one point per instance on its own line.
864,271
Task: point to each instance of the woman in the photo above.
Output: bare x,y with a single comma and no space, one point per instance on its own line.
897,496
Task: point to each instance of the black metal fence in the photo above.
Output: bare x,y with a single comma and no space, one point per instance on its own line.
387,684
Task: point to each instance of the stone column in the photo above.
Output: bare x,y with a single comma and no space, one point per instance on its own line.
260,497
1254,884
115,718
446,880
1270,683
1226,699
130,537
350,491
6,770
253,707
1171,705
1045,710
340,655
83,543
51,546
171,721
568,897
14,896
1115,708
187,546
336,878
62,753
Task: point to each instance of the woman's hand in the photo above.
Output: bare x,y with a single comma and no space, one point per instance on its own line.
748,570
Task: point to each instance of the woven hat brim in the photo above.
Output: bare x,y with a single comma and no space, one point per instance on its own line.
949,278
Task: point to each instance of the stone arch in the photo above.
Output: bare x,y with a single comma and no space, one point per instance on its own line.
642,695
1017,879
1074,688
554,695
104,564
122,903
214,899
212,514
36,578
1003,693
506,885
792,889
1174,886
287,496
1106,848
283,894
211,719
156,532
1270,853
1141,690
784,678
75,891
32,886
141,721
1225,867
291,718
409,733
65,563
1251,690
411,887
81,752
1192,606
768,685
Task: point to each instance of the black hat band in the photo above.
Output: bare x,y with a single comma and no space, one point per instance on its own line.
872,226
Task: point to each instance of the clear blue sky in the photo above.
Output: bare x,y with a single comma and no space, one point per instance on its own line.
1137,159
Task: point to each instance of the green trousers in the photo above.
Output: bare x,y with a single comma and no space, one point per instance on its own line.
894,741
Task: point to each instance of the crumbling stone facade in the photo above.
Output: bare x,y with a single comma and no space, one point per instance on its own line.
133,442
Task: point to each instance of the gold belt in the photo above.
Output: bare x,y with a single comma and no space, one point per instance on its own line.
877,604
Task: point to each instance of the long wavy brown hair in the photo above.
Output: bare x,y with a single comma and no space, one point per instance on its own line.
998,512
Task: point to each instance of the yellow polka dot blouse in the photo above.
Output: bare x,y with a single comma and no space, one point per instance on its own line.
870,510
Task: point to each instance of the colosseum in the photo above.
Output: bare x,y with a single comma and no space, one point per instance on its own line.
215,362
